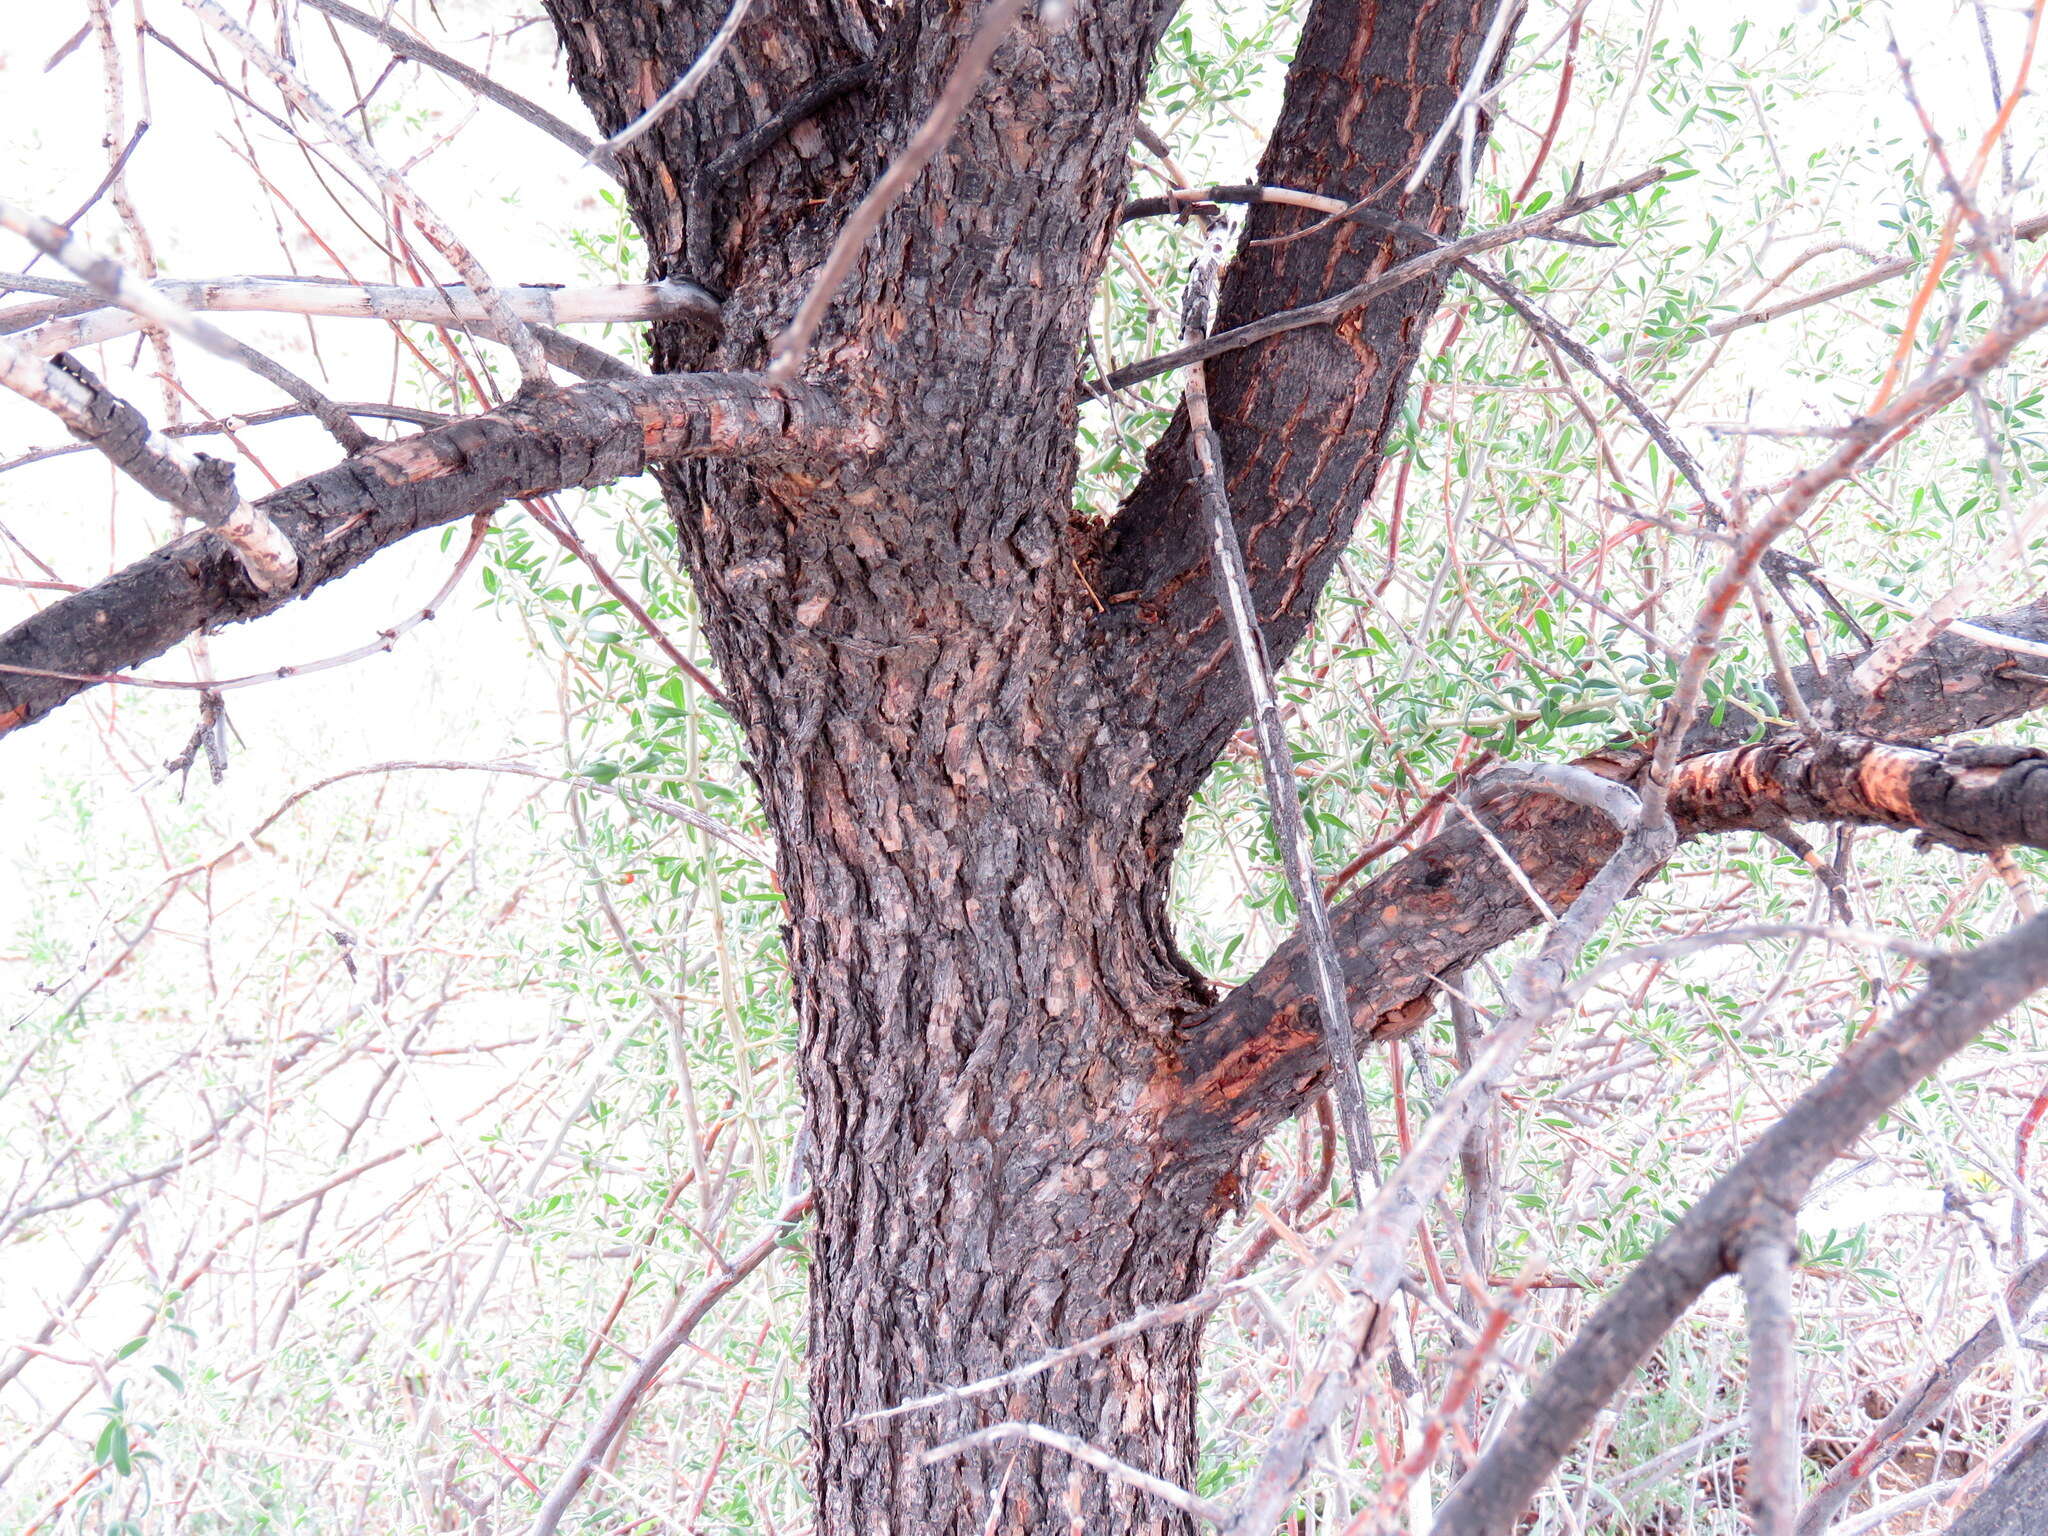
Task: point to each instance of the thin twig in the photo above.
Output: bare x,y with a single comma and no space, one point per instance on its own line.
408,47
533,367
1328,311
1172,1493
617,1413
930,137
606,154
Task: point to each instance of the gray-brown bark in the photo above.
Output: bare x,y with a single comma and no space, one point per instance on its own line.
587,434
976,725
940,723
1961,998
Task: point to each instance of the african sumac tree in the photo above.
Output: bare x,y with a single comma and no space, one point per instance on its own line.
976,720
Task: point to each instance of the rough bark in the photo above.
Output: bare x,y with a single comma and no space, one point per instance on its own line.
588,434
1256,1057
941,724
2015,1502
1918,1408
975,723
1303,416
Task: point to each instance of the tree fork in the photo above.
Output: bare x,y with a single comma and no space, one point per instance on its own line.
942,722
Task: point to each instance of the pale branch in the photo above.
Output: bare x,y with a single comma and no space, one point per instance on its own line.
1765,1266
1567,781
1384,1228
1185,201
681,91
1276,761
411,48
585,435
1877,669
1168,1315
1964,995
74,319
1332,309
200,487
147,305
525,347
1089,1455
63,1311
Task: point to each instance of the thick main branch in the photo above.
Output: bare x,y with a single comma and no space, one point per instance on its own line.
1257,1057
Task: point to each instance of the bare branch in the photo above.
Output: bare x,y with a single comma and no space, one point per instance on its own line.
200,487
2026,229
1963,997
1766,1269
1328,311
409,47
1276,762
1387,1224
586,435
1172,1493
1877,669
606,154
60,327
532,363
149,305
1916,1409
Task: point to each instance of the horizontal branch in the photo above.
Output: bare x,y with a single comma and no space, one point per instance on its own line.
586,435
65,322
1964,996
1255,1058
1977,797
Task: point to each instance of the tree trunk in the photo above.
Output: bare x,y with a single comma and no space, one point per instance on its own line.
937,669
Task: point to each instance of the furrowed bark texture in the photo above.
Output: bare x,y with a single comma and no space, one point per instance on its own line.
941,723
976,722
1303,417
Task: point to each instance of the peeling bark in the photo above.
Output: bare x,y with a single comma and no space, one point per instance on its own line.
586,435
